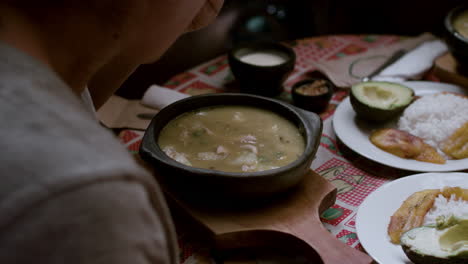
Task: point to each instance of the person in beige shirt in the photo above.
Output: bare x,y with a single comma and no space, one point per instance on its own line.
70,192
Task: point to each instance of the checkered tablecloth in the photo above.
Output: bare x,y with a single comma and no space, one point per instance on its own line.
354,176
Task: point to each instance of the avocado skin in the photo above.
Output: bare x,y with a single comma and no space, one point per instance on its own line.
373,114
418,258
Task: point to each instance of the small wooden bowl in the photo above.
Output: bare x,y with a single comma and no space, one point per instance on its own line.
312,94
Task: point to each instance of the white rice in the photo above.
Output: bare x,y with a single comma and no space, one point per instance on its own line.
434,117
447,207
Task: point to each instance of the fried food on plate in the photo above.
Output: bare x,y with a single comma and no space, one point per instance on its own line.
405,145
459,193
411,213
456,146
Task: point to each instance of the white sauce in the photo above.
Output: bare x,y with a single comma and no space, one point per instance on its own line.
263,58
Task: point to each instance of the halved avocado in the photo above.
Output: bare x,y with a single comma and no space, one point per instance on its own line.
429,245
380,101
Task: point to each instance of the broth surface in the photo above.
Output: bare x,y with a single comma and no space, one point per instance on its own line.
232,139
461,23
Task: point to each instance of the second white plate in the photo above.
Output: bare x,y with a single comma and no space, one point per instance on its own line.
374,213
355,133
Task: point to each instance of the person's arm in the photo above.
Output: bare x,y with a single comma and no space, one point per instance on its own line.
108,222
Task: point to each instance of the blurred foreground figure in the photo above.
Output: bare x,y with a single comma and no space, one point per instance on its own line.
70,192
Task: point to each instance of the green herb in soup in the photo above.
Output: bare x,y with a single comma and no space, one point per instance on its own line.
460,23
232,139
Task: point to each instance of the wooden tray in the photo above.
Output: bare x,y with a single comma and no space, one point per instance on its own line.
291,216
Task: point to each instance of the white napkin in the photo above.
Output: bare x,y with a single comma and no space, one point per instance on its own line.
159,97
414,63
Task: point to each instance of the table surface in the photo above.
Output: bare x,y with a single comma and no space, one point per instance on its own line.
354,176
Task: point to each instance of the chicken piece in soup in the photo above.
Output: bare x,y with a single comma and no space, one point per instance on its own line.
232,139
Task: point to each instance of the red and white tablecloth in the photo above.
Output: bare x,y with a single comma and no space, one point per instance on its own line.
355,177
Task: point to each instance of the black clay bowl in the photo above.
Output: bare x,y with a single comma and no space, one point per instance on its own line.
213,184
316,101
457,43
261,67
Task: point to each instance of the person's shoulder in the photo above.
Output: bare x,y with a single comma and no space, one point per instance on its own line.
112,222
50,142
130,214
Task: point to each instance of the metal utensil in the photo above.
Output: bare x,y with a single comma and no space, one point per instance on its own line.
395,56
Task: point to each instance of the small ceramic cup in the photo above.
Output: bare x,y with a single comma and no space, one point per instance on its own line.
312,94
261,67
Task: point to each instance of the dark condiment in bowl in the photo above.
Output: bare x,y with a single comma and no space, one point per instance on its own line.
313,88
312,94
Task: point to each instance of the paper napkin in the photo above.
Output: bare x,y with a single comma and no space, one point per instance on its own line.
414,63
119,112
159,97
353,68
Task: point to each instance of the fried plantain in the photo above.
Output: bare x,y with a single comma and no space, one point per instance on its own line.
411,213
459,193
430,154
405,145
456,145
413,210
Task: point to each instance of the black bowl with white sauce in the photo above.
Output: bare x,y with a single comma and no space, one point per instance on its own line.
261,67
207,183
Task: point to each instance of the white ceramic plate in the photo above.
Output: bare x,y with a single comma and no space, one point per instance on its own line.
354,133
374,213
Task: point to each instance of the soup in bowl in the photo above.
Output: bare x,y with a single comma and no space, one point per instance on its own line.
232,138
231,145
456,36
